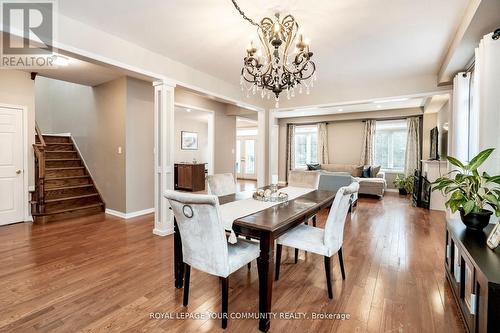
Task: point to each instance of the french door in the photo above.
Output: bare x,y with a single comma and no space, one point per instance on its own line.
246,152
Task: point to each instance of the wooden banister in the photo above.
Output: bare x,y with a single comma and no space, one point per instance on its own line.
39,134
39,150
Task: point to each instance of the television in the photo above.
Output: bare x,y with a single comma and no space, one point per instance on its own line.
434,151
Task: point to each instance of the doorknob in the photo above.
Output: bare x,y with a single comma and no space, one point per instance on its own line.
18,172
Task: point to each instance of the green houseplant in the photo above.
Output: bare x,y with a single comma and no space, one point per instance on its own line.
404,184
471,192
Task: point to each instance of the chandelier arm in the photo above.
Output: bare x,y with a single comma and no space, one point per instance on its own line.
243,14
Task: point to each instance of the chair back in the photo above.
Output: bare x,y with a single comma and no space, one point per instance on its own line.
334,228
307,179
221,184
204,243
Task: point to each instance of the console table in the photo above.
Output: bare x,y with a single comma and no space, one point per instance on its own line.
189,177
473,272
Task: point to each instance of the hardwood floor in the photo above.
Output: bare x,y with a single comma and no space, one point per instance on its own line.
104,274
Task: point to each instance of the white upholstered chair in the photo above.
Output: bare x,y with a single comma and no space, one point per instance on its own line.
221,184
308,179
204,243
327,242
299,178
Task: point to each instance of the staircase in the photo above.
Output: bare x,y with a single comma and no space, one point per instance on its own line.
63,186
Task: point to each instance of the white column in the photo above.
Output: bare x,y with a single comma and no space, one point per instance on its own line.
273,143
164,142
263,148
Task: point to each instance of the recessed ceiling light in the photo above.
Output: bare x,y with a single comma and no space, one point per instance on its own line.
188,110
379,106
391,100
340,110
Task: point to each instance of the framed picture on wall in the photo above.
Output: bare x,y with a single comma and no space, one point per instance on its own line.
189,140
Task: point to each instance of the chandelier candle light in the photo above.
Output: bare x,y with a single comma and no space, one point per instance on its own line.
277,68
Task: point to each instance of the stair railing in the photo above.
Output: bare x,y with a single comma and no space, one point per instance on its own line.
39,149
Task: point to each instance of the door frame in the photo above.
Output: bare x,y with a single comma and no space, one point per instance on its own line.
24,114
211,133
256,155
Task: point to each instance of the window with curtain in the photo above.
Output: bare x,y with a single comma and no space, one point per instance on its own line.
390,144
306,145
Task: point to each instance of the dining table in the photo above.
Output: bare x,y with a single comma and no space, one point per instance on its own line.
265,226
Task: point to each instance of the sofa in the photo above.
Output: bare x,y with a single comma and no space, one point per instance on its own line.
339,174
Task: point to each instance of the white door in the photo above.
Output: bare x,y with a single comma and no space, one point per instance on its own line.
11,166
246,167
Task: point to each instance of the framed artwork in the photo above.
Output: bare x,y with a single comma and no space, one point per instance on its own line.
189,140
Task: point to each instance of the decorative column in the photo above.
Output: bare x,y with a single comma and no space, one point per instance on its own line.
164,159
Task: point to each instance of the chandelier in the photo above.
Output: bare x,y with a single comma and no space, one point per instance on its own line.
283,64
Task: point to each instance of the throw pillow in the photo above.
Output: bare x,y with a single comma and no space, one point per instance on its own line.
366,172
374,170
357,171
313,166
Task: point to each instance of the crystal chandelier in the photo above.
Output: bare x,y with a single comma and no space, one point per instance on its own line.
279,66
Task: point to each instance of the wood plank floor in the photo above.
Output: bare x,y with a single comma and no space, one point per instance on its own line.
104,274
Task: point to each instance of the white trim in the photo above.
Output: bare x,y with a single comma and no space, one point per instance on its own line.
163,233
26,194
129,215
57,134
392,190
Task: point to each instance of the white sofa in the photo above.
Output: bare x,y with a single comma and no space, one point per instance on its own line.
371,186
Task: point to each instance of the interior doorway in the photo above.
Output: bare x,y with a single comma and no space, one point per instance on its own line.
247,154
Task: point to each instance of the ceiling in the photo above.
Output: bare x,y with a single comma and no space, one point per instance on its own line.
375,105
354,41
187,114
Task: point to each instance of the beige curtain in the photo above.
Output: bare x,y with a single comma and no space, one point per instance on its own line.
412,155
368,152
322,143
290,148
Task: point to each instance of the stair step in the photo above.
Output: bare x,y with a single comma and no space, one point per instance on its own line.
72,198
67,177
72,209
65,168
56,139
61,159
58,146
64,172
69,187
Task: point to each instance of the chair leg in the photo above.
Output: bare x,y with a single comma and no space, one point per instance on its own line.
314,221
296,255
328,271
341,260
187,275
249,265
278,261
225,296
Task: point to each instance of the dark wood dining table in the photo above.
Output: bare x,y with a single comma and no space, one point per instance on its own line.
265,225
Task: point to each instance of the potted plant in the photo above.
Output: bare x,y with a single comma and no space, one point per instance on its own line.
404,184
471,192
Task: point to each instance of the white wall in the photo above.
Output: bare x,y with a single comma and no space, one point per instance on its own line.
16,88
185,122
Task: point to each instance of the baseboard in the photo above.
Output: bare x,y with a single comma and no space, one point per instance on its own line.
129,215
393,190
31,188
163,233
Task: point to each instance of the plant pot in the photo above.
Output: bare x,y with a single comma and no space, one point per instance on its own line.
475,221
402,191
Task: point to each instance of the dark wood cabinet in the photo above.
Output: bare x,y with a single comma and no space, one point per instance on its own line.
189,177
473,272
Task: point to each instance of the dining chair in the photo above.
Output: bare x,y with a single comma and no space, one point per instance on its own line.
327,242
221,184
204,242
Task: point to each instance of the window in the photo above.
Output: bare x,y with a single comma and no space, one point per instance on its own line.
390,144
306,145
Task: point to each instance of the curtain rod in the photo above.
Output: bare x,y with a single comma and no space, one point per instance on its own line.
495,36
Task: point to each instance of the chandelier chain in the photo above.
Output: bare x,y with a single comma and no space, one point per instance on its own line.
243,14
